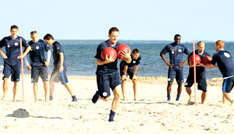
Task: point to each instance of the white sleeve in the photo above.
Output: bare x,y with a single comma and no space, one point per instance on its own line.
48,56
27,60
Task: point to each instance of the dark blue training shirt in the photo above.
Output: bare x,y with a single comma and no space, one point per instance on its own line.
224,61
176,53
131,65
107,68
57,48
37,53
12,48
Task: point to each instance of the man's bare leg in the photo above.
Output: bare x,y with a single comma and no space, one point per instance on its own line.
203,97
227,97
45,89
15,89
70,92
68,89
123,88
189,92
51,89
134,82
35,90
169,91
224,100
115,103
5,87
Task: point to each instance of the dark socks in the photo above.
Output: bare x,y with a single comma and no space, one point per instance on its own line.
168,97
74,99
95,97
177,97
112,115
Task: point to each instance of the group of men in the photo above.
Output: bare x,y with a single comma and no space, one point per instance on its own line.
37,53
221,59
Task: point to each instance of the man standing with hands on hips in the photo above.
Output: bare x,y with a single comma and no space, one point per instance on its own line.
176,51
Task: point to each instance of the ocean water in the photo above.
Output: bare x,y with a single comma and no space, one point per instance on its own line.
80,57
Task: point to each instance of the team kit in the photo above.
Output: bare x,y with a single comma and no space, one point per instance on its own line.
38,52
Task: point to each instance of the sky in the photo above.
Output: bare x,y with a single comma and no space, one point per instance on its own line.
208,20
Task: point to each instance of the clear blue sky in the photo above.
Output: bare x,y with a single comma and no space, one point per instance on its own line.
136,19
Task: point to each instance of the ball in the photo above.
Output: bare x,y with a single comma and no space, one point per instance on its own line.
109,52
122,48
197,59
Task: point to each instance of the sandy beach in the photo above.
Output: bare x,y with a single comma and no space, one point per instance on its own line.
151,113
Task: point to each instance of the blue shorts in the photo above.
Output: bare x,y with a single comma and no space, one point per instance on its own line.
107,81
228,85
37,71
57,76
12,70
200,79
175,73
128,73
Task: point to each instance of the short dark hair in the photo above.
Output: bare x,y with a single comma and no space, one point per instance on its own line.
48,37
33,32
177,35
113,29
135,50
14,27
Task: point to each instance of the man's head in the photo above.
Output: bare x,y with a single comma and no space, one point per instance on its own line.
14,31
177,39
135,53
200,46
113,35
49,39
34,36
219,45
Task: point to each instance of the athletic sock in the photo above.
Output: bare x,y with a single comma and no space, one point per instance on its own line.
168,97
112,115
74,99
177,97
95,97
51,98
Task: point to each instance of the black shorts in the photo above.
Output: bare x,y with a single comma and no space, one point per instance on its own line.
200,79
57,76
37,71
175,73
228,85
128,73
12,70
107,81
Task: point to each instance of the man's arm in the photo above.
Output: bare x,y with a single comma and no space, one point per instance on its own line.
126,57
25,52
3,54
207,66
61,59
165,60
47,62
107,61
27,62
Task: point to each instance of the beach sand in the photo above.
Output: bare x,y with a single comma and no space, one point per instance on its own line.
150,114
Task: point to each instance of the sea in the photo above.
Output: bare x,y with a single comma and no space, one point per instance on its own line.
80,57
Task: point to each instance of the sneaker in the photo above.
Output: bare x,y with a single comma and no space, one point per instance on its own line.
95,97
74,99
